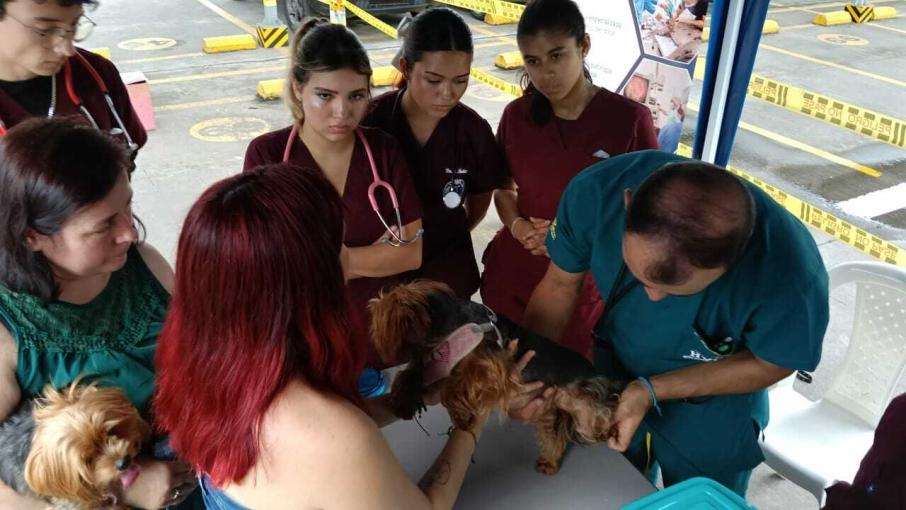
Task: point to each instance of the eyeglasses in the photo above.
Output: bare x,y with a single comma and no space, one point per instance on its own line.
84,27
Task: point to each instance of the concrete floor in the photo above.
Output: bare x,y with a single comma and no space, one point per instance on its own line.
200,98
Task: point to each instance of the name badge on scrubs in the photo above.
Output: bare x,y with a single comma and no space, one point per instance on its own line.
455,188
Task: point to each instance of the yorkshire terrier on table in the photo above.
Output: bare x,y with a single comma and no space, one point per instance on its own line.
73,447
440,335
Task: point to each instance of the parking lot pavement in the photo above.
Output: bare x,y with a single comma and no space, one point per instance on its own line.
207,111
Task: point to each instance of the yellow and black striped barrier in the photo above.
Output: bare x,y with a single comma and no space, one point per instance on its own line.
860,13
272,37
854,118
272,33
370,19
497,8
824,221
499,84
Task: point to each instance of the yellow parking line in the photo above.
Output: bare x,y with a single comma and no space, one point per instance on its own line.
821,153
205,76
202,104
381,56
848,69
831,5
502,38
799,27
796,144
158,59
810,11
884,27
229,17
493,43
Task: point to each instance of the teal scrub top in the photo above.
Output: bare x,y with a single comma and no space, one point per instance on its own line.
773,302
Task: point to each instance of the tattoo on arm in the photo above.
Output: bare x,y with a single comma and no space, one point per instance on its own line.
439,474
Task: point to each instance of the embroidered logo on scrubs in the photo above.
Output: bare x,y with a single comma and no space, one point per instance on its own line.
601,154
553,229
697,356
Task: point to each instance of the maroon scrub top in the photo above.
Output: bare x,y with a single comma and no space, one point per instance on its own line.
541,160
461,151
879,484
87,89
363,227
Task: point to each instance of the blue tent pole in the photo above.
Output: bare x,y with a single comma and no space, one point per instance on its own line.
721,80
736,27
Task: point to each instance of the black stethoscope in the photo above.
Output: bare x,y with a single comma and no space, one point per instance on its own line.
454,190
77,101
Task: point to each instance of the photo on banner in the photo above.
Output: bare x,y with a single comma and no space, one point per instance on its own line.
671,29
664,89
646,50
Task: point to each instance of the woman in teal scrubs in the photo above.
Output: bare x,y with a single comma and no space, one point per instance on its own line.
719,294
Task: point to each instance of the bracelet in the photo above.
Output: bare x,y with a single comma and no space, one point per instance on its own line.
650,387
513,223
474,437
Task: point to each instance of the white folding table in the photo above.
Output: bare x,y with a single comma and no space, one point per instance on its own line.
503,475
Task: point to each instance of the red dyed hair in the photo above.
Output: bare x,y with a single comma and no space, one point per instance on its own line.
259,301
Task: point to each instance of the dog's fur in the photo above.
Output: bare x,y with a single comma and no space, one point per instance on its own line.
70,447
411,319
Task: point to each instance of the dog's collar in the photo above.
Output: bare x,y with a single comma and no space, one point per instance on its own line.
491,325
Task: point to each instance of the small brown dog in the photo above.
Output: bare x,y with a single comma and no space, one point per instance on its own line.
80,442
410,322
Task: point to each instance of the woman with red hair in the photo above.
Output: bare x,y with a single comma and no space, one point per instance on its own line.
256,372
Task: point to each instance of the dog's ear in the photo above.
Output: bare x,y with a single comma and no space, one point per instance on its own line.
400,319
482,382
407,391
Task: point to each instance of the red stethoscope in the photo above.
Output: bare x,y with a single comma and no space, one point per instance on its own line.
77,101
395,233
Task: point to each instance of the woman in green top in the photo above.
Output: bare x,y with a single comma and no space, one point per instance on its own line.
78,293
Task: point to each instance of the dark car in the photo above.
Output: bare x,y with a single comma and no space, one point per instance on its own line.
293,11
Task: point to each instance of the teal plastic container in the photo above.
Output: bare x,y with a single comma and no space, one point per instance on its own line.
692,494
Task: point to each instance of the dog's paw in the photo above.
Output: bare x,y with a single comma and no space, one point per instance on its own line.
545,466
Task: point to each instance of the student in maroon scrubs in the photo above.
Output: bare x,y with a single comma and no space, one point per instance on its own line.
455,162
454,159
42,74
879,483
328,95
561,125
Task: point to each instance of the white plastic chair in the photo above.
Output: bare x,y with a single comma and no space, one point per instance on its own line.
814,444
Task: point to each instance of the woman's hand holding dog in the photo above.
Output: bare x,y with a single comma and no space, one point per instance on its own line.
160,484
635,401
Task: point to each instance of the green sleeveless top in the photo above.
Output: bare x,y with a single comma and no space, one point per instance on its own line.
110,339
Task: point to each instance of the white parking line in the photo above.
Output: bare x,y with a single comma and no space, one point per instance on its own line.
876,203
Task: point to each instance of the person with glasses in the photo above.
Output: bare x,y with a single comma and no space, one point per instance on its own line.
43,74
712,292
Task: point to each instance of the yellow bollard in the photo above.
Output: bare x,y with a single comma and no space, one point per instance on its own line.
828,19
384,76
509,60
